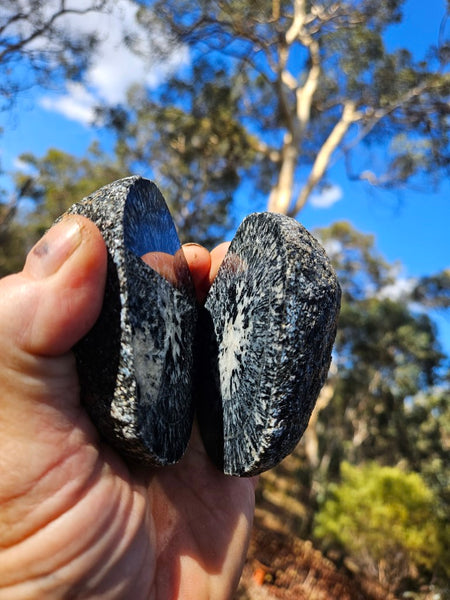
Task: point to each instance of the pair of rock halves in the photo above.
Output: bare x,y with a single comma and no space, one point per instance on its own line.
249,363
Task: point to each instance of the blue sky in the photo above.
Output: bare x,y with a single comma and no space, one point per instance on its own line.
410,227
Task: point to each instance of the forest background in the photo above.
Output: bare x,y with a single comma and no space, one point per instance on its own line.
333,112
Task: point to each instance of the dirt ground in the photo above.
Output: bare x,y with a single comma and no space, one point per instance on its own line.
280,565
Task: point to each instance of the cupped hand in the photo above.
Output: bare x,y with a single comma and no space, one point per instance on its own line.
75,520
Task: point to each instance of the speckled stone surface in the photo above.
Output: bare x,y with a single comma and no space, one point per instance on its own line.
264,344
136,364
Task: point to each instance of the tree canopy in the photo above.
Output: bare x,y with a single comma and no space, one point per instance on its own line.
311,82
389,368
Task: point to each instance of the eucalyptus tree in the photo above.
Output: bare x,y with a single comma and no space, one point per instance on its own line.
311,82
387,402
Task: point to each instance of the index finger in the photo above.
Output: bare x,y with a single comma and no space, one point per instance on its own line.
217,256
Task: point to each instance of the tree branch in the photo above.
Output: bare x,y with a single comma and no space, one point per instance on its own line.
321,163
373,117
306,93
297,23
47,26
298,118
13,19
280,196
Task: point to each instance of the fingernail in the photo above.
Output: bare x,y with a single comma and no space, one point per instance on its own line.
51,252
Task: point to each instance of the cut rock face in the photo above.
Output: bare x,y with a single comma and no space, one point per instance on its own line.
260,351
135,365
267,329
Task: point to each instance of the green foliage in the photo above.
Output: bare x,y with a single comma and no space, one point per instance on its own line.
388,386
384,518
50,185
427,419
13,245
434,290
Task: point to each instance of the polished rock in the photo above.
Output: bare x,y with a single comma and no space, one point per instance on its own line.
135,365
259,350
265,340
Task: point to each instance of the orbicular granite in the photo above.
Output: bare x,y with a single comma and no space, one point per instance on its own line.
135,365
264,344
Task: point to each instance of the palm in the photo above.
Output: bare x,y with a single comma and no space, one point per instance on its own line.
202,520
193,525
173,532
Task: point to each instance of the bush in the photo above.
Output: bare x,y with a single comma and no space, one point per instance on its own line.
384,518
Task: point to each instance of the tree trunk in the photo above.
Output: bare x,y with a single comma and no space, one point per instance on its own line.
281,194
310,438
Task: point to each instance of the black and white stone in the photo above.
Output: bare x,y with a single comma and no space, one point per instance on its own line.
136,364
264,344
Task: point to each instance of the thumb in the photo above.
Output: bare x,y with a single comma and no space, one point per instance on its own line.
56,299
48,446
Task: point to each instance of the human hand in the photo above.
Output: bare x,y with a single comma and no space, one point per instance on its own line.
75,520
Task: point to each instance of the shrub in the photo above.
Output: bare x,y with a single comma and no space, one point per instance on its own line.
384,518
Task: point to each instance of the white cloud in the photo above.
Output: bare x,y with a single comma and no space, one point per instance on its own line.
115,67
77,104
327,197
21,165
399,290
332,247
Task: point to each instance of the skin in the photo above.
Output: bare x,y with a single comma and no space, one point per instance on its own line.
75,520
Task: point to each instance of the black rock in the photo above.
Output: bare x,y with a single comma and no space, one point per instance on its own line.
265,340
136,364
262,347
